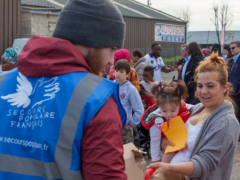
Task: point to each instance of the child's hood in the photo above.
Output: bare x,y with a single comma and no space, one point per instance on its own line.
47,56
183,112
126,84
122,54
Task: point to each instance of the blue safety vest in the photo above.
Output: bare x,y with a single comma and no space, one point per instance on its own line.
42,120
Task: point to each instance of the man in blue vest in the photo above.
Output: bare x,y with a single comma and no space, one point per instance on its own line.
59,120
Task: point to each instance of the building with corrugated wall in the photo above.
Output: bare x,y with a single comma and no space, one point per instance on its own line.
144,25
140,33
10,22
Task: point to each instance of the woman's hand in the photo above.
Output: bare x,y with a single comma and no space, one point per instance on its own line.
164,144
159,167
185,169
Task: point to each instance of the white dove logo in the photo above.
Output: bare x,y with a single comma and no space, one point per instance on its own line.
25,90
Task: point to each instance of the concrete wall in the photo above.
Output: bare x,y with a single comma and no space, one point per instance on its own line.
43,24
26,22
38,24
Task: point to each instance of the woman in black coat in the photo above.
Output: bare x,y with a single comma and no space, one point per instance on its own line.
196,56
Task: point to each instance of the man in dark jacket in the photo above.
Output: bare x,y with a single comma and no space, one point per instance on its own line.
54,108
235,74
188,69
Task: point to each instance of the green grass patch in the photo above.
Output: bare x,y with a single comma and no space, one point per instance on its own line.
131,63
167,61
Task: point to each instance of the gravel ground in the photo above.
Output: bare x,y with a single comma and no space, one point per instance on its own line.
168,77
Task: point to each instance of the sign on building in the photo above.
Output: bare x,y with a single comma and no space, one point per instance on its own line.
169,33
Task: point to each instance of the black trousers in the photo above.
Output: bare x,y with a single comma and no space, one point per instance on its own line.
136,137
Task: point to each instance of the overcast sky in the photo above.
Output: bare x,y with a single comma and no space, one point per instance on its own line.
202,11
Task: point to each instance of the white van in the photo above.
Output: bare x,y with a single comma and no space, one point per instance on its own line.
20,43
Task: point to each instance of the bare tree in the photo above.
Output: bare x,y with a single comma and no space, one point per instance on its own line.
222,17
184,14
215,21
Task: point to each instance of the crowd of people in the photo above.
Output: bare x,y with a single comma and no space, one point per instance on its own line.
69,102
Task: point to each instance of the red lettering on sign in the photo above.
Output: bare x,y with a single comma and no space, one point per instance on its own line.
173,30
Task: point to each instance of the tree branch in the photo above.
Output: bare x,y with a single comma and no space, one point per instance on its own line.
224,17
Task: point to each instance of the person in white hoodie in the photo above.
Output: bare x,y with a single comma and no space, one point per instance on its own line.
130,99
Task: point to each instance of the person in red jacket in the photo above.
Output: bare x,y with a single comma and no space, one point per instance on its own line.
169,105
132,75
